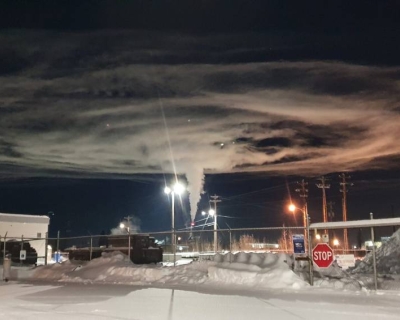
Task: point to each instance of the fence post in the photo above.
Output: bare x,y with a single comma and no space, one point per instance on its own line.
58,241
230,245
22,248
4,248
374,254
310,259
46,243
91,248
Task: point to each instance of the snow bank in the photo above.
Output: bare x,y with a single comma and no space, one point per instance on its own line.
250,270
257,270
244,269
387,258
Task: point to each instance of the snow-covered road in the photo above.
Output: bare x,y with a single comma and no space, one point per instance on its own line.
79,301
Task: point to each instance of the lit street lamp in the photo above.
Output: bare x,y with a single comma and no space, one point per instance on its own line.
127,228
335,242
178,188
213,213
293,208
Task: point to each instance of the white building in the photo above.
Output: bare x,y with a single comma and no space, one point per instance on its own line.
18,226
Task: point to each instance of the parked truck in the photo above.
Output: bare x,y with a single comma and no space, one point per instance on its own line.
144,249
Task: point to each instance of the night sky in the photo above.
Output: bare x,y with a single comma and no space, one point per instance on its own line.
101,100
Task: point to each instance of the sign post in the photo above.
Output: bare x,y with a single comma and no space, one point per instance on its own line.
322,255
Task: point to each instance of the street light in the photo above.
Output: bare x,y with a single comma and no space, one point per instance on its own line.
335,242
213,213
127,228
307,238
178,188
293,208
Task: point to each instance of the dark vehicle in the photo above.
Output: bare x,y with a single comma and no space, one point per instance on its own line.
14,247
143,249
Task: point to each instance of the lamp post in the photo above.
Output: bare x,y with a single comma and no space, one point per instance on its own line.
213,213
178,188
307,239
293,209
127,228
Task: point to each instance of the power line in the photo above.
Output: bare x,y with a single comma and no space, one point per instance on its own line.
256,191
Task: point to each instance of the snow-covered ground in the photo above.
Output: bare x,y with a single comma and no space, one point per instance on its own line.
79,301
261,285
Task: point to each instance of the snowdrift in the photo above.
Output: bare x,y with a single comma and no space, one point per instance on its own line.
387,258
244,269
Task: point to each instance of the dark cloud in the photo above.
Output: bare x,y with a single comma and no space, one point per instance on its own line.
107,103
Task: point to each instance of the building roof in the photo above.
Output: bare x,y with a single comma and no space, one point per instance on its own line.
388,222
23,218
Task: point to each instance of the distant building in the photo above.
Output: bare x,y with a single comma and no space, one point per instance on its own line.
265,246
27,226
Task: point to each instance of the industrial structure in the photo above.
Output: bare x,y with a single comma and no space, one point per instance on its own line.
28,228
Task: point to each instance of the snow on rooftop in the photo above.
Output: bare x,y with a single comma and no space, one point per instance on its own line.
23,218
357,224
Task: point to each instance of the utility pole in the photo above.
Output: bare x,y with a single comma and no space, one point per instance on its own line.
215,200
323,185
331,213
303,192
344,190
128,228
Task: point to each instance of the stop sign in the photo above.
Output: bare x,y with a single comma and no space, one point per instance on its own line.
322,255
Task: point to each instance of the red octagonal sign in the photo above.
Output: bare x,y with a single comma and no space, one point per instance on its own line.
322,255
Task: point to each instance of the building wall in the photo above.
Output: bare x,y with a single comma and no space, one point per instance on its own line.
15,230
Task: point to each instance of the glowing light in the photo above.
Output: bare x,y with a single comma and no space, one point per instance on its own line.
203,213
318,236
335,242
122,225
179,188
292,207
167,190
211,212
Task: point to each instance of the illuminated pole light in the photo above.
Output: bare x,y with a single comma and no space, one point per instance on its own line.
211,212
318,236
178,188
293,208
122,226
167,190
335,242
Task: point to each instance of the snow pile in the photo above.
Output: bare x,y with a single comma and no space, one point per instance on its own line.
387,258
245,269
257,270
251,270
